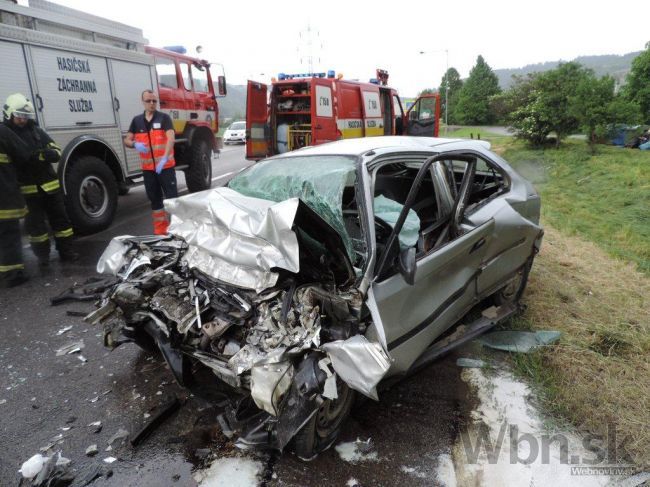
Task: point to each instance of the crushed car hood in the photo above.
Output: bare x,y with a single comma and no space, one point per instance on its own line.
244,241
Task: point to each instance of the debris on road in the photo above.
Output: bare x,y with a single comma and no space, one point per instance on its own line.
31,467
165,412
92,450
110,459
96,427
79,314
63,330
49,471
71,348
90,290
120,435
519,341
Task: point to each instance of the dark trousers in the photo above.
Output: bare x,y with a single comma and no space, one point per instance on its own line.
11,252
159,186
43,208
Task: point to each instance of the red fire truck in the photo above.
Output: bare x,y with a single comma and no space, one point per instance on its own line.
85,76
314,108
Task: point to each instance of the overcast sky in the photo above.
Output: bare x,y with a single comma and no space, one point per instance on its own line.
258,39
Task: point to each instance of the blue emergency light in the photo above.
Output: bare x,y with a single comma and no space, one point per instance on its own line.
329,74
177,49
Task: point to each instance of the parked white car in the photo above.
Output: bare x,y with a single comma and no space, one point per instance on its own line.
235,133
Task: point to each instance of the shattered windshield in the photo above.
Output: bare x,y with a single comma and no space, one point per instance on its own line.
319,181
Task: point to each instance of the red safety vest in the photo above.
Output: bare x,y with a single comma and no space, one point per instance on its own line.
156,141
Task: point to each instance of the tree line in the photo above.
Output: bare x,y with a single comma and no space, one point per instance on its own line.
561,101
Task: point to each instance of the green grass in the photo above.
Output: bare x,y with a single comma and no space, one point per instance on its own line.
604,198
473,132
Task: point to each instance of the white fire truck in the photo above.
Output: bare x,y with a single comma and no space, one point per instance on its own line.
85,75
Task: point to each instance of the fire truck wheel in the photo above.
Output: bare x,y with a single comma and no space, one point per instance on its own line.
91,198
199,175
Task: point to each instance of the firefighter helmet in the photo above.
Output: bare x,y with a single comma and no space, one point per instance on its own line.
18,105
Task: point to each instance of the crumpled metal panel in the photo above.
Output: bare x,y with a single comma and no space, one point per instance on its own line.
114,256
359,363
234,238
269,382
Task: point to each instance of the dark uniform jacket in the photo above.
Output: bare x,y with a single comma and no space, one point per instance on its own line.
35,170
12,152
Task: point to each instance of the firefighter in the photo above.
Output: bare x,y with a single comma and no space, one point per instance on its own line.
152,135
12,206
39,183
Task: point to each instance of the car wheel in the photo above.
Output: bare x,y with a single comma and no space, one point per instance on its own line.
199,175
91,199
320,432
513,290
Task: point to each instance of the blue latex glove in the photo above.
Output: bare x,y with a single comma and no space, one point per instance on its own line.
161,164
141,147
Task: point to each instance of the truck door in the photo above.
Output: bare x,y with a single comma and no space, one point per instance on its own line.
372,117
204,100
257,121
126,99
72,89
323,126
423,118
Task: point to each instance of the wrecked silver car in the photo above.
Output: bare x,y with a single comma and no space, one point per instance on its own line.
325,273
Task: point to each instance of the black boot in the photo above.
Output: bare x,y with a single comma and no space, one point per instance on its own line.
13,278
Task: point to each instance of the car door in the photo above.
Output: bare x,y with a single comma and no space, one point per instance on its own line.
257,121
423,117
411,317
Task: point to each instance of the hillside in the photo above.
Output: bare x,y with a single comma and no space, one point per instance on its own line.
614,65
233,105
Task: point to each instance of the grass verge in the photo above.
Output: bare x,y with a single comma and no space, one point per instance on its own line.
594,207
598,375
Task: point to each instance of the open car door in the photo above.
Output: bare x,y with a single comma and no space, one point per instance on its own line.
257,122
423,118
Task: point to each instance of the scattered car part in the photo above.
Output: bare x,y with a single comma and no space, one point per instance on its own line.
164,412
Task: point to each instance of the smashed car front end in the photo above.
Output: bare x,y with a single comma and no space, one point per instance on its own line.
262,294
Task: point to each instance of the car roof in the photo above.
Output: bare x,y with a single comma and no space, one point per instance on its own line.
362,145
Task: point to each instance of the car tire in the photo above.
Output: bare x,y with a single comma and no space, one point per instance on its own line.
513,290
321,431
199,175
91,194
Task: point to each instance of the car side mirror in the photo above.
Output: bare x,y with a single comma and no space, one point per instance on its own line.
413,115
407,265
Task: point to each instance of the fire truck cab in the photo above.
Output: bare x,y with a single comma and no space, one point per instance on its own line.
314,108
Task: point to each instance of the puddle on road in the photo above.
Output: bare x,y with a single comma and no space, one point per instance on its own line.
504,420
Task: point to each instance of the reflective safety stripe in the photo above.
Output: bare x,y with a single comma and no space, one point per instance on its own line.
29,189
13,267
39,238
13,214
4,158
54,147
51,186
64,233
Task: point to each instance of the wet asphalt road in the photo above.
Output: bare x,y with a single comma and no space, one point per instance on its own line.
48,400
